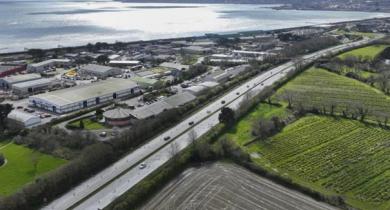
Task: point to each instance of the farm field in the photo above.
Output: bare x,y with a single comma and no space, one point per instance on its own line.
241,133
369,52
20,169
228,186
342,157
318,87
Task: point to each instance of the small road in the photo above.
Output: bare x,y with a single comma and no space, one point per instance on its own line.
101,189
228,186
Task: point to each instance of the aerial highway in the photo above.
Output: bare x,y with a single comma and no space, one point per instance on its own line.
101,189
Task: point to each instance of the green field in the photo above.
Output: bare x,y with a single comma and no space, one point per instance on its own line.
333,156
19,169
317,87
356,33
241,133
369,52
89,124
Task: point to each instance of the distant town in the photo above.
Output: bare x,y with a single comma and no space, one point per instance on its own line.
146,78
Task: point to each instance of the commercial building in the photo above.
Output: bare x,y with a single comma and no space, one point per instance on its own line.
31,87
7,82
6,70
118,117
100,71
79,97
46,65
23,119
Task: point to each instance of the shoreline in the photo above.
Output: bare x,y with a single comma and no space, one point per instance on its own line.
206,35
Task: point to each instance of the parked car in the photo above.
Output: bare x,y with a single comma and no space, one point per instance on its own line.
103,134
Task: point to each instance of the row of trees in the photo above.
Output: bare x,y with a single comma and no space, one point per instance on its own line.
309,45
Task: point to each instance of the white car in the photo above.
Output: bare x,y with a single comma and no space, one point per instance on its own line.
142,165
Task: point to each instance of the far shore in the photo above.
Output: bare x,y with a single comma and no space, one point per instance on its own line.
228,34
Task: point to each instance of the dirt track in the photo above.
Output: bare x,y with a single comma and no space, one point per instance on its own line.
228,186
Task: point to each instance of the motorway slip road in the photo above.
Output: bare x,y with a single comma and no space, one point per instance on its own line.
101,189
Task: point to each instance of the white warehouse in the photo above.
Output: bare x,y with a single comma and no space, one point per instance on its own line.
79,97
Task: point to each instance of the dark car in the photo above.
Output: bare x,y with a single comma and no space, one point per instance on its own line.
167,138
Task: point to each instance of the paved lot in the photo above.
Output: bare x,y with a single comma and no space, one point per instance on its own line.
100,190
228,186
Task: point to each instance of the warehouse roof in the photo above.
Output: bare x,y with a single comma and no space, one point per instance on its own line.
47,62
117,113
96,68
33,83
150,110
180,99
21,78
84,92
22,117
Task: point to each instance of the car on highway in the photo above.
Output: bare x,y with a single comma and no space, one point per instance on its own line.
208,111
166,138
191,123
262,84
223,102
238,93
142,166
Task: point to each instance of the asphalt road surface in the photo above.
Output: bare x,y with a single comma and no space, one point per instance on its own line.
228,186
101,189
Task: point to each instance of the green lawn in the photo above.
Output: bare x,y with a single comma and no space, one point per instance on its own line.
369,52
89,124
241,133
333,156
316,87
19,169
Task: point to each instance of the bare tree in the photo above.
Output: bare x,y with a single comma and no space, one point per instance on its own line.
289,96
173,150
192,135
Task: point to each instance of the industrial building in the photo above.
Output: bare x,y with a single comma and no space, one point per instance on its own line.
79,97
31,87
100,71
23,119
6,70
7,82
46,65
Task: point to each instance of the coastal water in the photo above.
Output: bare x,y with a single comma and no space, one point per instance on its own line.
52,23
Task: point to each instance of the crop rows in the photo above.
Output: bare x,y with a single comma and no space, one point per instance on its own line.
317,87
288,144
340,155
